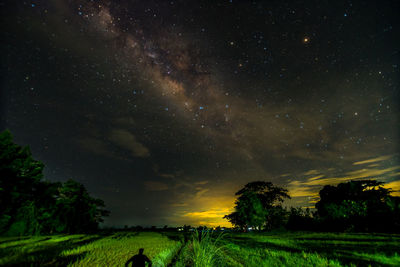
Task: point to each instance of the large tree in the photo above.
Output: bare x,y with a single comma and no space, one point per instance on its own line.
258,204
20,184
31,205
76,210
363,205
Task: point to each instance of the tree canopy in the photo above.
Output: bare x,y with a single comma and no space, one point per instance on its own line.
31,205
363,205
258,205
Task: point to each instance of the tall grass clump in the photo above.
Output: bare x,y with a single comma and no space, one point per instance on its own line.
164,257
205,249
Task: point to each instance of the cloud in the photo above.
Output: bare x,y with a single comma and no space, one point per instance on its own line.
126,140
155,186
364,173
382,158
395,174
311,186
315,178
120,138
351,175
202,182
212,213
297,189
202,204
201,192
211,217
166,175
99,147
311,172
179,205
94,145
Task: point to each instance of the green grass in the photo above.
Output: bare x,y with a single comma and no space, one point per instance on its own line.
90,250
313,249
205,250
231,249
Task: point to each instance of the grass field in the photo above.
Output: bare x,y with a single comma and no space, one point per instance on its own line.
229,249
87,250
313,249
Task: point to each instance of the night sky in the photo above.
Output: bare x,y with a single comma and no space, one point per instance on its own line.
164,109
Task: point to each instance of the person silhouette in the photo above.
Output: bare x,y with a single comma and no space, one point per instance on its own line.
139,260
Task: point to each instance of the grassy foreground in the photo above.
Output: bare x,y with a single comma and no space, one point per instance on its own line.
231,249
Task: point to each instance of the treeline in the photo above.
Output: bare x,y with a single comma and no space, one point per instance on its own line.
30,205
359,206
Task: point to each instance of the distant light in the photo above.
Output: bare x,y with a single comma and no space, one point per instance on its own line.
201,107
306,40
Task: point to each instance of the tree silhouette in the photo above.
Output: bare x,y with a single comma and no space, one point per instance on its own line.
31,205
20,177
259,205
77,210
300,220
363,205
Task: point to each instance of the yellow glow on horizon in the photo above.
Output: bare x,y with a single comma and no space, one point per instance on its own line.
206,207
212,217
395,186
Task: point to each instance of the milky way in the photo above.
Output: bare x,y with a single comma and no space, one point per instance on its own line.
165,109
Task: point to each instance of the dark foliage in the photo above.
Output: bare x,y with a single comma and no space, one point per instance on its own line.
30,205
301,220
358,206
259,205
